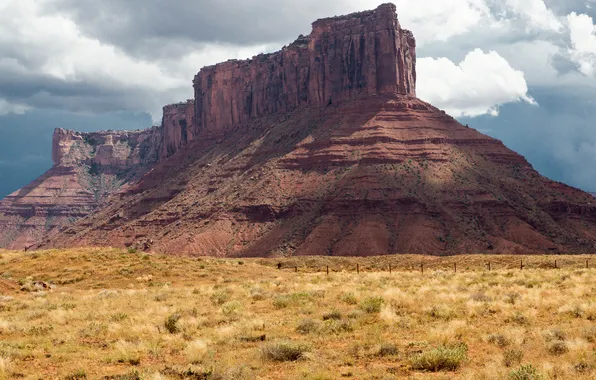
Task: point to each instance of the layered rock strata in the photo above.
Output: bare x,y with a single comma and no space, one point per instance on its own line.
362,54
377,175
88,167
178,128
323,149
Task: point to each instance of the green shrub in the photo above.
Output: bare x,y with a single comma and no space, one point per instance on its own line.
171,323
78,375
336,315
333,326
372,304
499,340
589,334
281,302
512,357
525,372
388,349
518,318
307,326
134,375
284,351
442,358
554,334
118,317
230,308
558,347
257,294
348,298
220,297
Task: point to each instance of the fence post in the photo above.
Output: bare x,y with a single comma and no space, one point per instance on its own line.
555,264
358,268
422,268
489,266
455,267
327,270
296,269
521,265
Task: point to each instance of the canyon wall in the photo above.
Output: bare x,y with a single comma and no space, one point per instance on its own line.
178,131
361,54
347,57
88,168
111,151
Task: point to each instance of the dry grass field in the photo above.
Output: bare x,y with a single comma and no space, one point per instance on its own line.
112,314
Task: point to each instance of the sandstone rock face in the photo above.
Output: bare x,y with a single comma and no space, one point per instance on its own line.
377,175
362,54
323,149
178,130
88,167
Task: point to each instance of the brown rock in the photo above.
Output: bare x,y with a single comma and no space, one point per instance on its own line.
361,54
88,167
178,130
377,175
323,149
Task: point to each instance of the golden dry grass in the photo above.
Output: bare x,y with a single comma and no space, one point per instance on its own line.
119,315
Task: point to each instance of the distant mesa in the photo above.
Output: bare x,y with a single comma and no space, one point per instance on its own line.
321,148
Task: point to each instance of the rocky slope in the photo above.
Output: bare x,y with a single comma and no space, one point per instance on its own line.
88,167
323,149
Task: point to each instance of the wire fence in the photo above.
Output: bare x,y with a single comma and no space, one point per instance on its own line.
433,265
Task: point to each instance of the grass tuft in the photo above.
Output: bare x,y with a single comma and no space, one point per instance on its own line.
372,304
171,323
284,351
512,357
442,358
525,372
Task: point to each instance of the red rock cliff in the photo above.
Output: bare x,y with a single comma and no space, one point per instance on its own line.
344,57
88,167
177,124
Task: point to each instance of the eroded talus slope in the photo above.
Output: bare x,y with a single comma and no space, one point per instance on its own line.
375,175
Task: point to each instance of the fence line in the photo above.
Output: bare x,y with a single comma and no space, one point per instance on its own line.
390,268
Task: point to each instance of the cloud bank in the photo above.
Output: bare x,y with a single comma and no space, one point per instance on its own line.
482,60
474,87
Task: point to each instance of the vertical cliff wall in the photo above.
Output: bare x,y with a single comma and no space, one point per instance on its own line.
178,130
361,54
343,58
88,167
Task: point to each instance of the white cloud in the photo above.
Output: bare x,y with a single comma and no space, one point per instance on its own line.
583,42
53,46
439,20
536,14
476,86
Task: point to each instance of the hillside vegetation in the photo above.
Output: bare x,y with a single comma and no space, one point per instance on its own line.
115,314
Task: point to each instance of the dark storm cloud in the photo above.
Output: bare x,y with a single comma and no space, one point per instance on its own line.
558,138
81,94
140,26
563,64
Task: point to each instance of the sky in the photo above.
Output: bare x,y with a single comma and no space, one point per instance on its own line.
522,71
